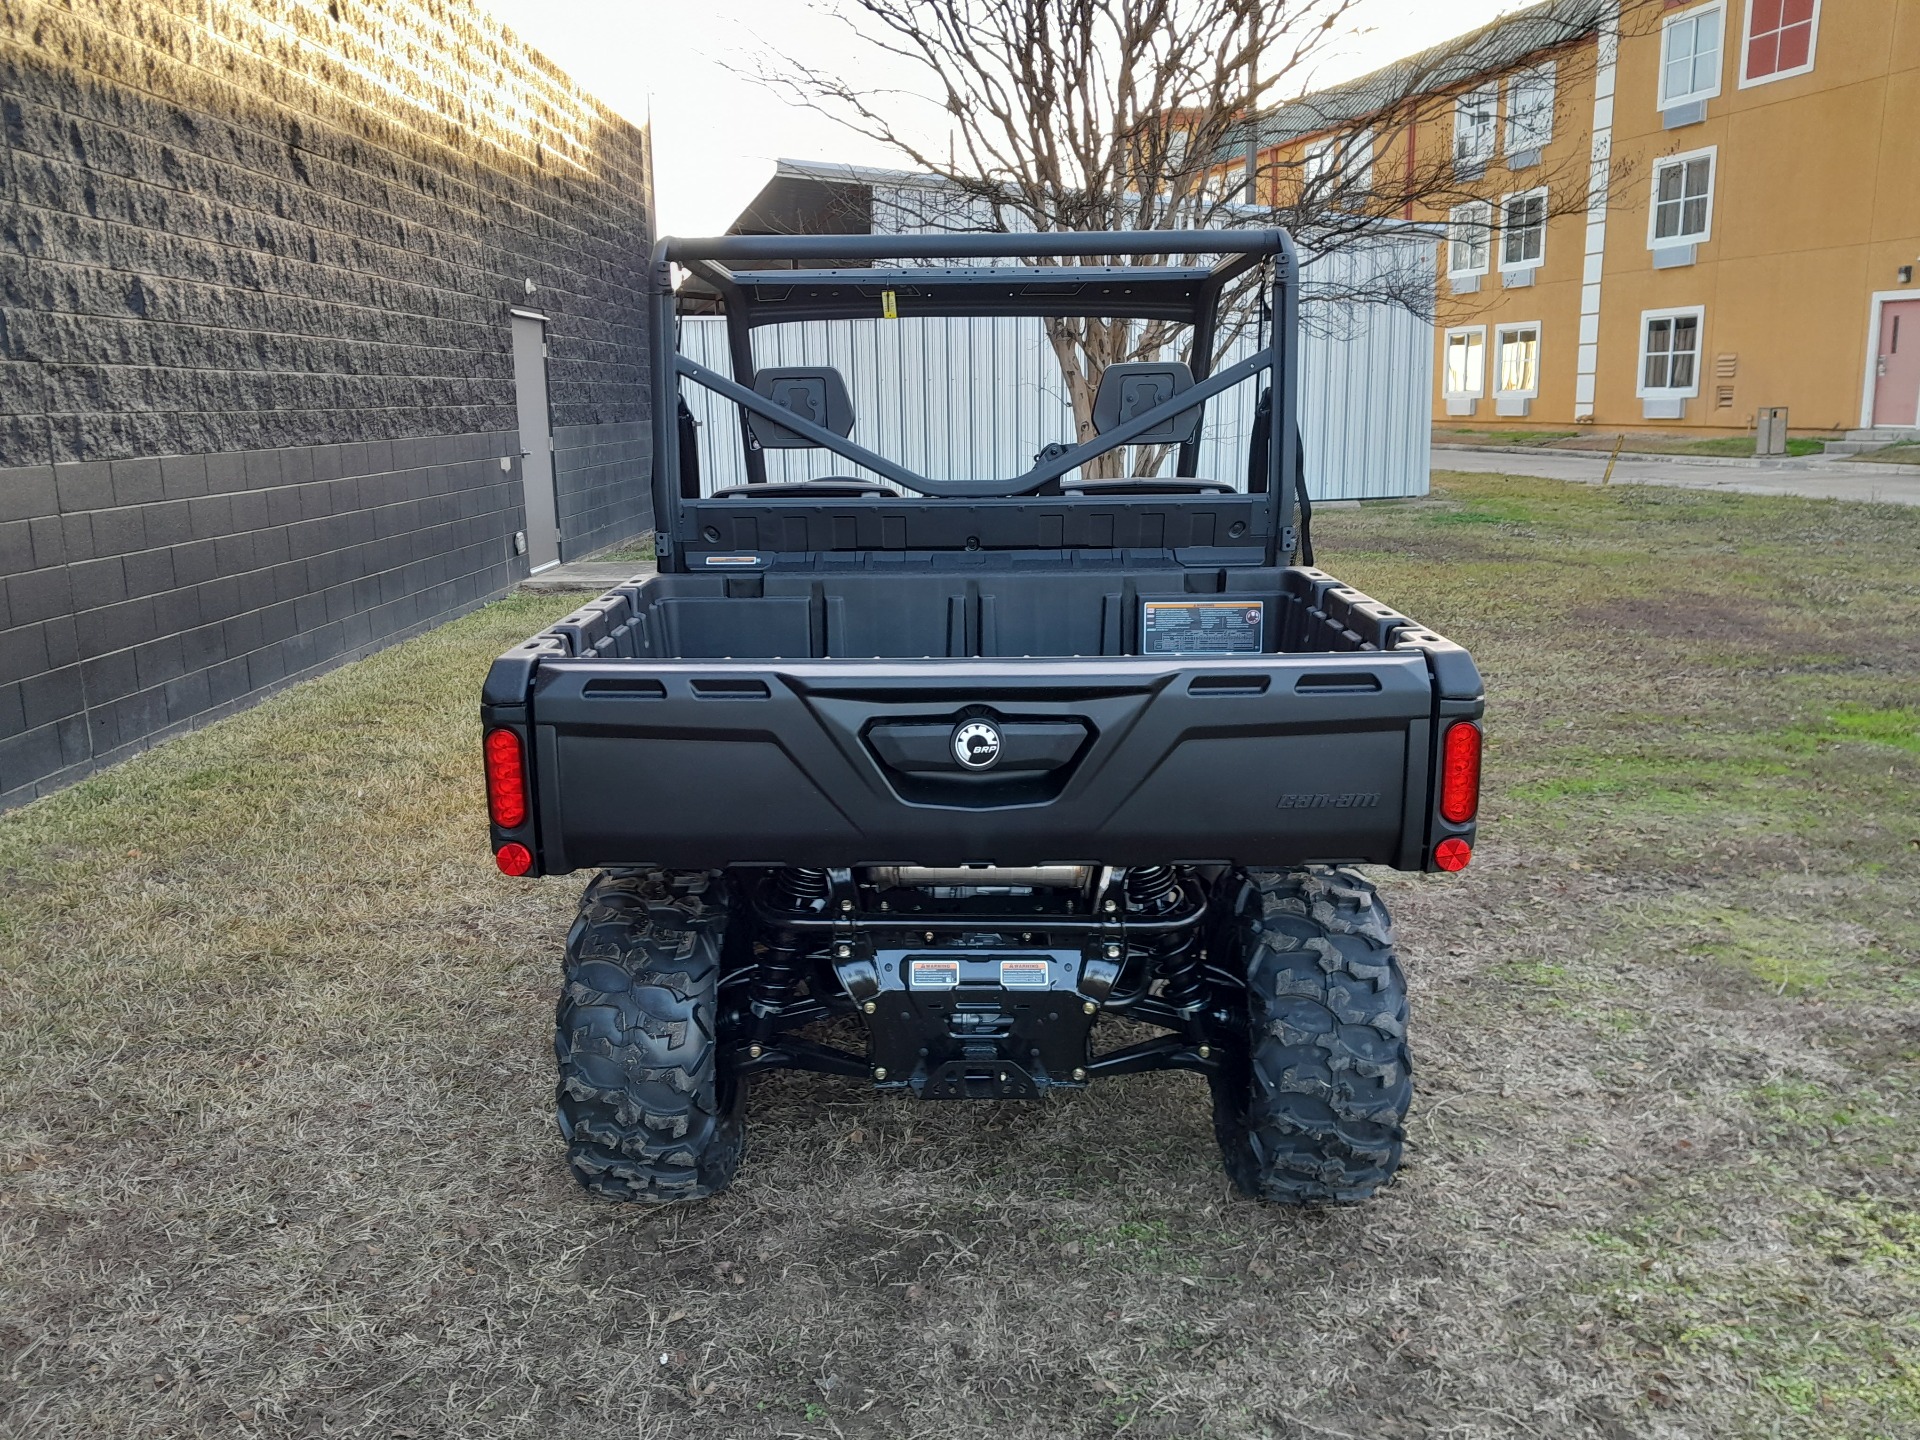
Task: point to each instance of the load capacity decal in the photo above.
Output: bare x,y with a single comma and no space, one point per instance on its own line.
1201,627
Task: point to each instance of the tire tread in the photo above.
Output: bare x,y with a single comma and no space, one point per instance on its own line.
642,1101
1317,1116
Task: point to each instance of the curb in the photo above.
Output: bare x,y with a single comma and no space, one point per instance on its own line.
587,576
1800,462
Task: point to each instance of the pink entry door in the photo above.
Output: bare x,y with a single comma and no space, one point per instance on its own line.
1896,386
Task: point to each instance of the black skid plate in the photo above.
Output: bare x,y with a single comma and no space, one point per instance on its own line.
972,1080
963,1024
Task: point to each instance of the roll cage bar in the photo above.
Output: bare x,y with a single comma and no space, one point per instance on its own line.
835,291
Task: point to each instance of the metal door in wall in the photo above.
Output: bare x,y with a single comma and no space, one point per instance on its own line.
536,438
1896,385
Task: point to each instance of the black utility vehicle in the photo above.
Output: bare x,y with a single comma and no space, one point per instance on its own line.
918,787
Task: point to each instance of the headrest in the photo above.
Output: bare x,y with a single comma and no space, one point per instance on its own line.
1129,390
815,393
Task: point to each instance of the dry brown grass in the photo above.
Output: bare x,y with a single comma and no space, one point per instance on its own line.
277,1155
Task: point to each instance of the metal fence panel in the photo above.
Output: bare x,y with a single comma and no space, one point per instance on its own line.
979,397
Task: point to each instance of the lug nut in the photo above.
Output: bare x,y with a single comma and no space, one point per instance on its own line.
843,952
754,1051
869,1007
1110,907
845,906
1079,1073
879,1072
1206,1052
1089,1007
1113,952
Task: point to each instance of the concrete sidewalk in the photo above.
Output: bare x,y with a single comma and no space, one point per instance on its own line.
1815,479
596,576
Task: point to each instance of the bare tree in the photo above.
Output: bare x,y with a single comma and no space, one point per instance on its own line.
1133,115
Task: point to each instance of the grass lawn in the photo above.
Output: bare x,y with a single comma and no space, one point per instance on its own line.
1738,446
640,552
1901,452
1741,446
275,1073
1503,436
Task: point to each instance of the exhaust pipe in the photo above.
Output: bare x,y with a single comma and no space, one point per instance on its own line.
982,877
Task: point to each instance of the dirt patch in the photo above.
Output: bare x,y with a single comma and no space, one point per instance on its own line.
1691,618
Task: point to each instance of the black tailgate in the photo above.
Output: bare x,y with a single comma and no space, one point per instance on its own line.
1262,760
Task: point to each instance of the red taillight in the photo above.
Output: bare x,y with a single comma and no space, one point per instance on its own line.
506,781
1460,773
1452,853
513,858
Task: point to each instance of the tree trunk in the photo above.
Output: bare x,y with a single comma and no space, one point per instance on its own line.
1084,349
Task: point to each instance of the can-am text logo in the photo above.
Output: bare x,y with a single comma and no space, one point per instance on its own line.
1356,800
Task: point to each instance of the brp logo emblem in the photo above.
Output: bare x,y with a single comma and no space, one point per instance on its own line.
976,744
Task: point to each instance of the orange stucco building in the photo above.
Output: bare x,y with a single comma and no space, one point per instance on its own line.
1661,215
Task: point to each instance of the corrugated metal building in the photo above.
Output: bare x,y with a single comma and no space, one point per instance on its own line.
964,398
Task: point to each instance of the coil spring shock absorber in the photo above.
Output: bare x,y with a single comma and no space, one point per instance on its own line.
1154,889
803,889
796,889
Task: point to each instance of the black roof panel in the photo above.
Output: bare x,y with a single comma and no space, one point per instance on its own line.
768,297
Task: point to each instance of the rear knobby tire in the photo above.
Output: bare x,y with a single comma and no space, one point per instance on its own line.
1315,1114
649,1110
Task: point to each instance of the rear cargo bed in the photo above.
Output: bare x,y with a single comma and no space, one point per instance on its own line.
699,721
958,611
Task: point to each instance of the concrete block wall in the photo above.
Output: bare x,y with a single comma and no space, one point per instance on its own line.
593,469
256,384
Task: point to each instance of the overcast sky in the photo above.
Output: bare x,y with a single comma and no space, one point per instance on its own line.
716,134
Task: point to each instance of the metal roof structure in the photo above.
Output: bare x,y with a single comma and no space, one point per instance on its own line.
1492,48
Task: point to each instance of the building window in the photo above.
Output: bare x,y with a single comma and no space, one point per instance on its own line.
1530,110
1690,55
1356,165
1221,187
1319,162
1682,199
1475,118
1523,230
1466,370
1518,359
1338,169
1670,352
1780,36
1469,238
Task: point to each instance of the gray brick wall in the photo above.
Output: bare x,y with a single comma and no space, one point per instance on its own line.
256,261
593,470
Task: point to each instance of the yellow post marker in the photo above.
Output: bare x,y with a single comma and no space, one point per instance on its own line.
888,309
1619,440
